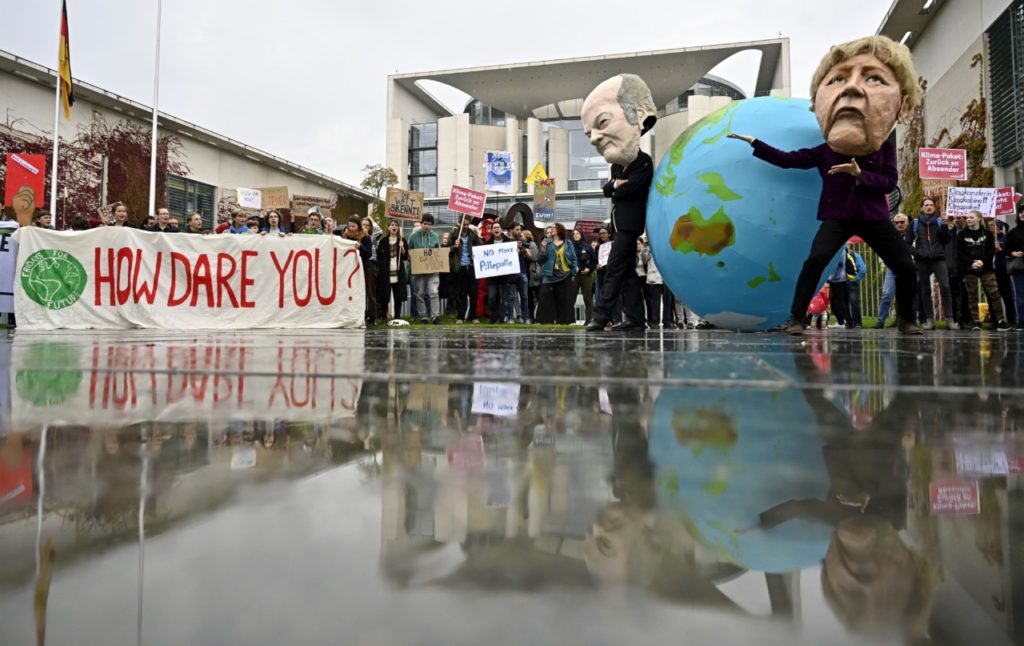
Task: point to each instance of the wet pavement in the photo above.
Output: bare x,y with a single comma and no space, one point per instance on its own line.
464,486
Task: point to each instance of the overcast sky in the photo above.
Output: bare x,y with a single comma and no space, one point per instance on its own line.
306,79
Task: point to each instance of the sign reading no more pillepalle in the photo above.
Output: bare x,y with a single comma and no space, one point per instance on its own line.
429,261
466,200
117,278
496,259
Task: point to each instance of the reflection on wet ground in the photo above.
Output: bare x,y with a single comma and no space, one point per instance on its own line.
449,486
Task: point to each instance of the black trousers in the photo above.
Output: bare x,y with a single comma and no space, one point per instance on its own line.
881,236
620,278
464,292
839,296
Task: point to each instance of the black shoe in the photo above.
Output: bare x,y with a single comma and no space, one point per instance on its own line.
437,320
911,329
629,326
1002,326
879,325
594,326
704,325
793,327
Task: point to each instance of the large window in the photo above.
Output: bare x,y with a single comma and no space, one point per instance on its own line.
1006,70
186,196
423,158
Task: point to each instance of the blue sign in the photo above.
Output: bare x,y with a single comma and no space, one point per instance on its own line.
499,171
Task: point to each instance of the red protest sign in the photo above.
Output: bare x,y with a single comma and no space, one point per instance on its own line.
1006,198
942,163
466,200
25,171
467,454
955,497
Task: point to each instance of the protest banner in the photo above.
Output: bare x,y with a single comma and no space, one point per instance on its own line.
116,277
954,497
1006,201
101,381
604,250
274,197
960,201
500,400
8,261
466,200
499,171
587,227
249,198
404,205
544,199
429,261
942,163
496,259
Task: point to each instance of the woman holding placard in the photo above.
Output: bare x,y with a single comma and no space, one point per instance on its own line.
558,267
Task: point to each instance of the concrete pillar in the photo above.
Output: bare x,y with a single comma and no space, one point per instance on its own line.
512,139
397,158
558,157
534,145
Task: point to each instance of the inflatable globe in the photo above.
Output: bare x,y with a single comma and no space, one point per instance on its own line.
722,457
730,232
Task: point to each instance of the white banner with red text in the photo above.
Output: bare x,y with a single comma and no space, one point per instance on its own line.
116,277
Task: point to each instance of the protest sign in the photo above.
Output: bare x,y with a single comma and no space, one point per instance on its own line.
8,261
603,251
942,163
429,261
954,497
25,170
103,382
544,199
466,200
497,399
249,198
496,259
961,201
274,197
116,277
467,453
302,203
538,173
404,205
499,171
1006,201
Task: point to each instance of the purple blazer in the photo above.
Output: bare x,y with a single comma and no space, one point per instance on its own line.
842,195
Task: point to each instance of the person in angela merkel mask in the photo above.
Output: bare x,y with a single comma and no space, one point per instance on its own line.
859,91
615,115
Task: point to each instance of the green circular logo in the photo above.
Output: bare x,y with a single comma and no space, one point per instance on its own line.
50,373
54,279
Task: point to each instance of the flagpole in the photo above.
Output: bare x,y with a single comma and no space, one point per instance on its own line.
156,98
56,128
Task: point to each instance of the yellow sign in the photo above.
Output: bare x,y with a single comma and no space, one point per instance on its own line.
537,174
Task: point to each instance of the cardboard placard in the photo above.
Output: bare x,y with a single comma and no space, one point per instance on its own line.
942,163
544,196
429,261
300,204
404,205
466,200
275,197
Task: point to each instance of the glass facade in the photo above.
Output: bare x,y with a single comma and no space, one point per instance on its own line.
481,114
423,158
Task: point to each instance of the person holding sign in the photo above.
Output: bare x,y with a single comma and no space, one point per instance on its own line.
463,277
975,248
859,91
392,281
558,267
427,284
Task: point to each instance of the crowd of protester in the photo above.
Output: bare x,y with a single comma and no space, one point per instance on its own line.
959,260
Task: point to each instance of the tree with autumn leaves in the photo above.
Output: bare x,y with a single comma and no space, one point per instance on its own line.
126,146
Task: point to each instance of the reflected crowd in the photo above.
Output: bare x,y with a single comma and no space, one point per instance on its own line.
832,475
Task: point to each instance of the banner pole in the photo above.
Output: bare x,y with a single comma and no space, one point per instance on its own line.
56,127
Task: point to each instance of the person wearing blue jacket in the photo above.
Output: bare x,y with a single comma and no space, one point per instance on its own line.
558,267
853,286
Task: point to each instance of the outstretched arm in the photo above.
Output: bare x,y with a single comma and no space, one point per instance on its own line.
804,158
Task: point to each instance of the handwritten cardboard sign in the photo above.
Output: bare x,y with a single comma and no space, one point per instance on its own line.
429,261
250,198
466,200
961,201
496,259
942,163
274,197
955,498
404,205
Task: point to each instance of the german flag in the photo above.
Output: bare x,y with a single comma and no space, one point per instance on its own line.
67,90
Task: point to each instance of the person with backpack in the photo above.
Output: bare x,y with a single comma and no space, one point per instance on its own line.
930,239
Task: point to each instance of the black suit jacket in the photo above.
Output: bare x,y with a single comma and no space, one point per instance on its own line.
629,201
